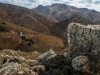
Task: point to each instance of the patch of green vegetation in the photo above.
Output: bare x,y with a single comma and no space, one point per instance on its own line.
3,23
58,65
4,60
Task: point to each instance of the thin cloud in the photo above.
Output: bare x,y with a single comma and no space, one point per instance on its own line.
91,4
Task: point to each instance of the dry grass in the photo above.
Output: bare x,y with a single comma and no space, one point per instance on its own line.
41,43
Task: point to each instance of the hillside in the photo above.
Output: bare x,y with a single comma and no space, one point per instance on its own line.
60,29
62,12
32,12
28,18
24,20
31,40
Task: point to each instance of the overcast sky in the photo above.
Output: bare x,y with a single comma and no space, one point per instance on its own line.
91,4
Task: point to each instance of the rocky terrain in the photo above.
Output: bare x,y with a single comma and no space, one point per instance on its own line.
63,11
83,58
64,43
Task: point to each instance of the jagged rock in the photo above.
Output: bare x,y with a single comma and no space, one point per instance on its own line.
80,63
84,40
47,55
16,69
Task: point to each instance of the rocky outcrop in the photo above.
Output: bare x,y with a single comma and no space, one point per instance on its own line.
47,55
9,55
14,68
81,63
84,40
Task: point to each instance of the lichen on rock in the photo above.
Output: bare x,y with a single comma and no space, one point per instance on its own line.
16,69
80,63
84,40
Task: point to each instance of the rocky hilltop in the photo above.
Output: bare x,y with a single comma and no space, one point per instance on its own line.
63,11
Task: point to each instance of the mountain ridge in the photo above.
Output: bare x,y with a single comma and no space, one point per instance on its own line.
41,22
63,11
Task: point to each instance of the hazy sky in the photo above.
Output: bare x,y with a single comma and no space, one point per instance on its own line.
91,4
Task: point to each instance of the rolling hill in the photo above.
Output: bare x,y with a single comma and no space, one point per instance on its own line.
27,18
32,41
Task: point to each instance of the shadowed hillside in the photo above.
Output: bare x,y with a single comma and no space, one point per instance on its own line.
60,29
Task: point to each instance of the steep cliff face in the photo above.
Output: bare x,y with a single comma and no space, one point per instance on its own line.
84,39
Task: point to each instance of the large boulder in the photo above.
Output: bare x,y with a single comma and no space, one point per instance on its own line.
84,40
47,55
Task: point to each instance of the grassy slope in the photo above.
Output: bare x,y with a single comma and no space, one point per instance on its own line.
24,20
41,43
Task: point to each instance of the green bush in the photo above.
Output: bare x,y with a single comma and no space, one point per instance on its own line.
4,60
3,23
58,65
2,28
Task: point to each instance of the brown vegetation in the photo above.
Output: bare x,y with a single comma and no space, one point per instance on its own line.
41,42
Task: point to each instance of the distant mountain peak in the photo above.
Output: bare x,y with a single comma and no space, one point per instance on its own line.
58,4
63,11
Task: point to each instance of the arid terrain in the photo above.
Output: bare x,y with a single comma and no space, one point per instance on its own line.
57,39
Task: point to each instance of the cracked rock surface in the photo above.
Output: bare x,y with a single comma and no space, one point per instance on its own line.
84,40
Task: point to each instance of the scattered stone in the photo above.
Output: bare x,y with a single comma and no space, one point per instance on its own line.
21,34
35,53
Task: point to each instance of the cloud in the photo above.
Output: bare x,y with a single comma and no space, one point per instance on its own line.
91,4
